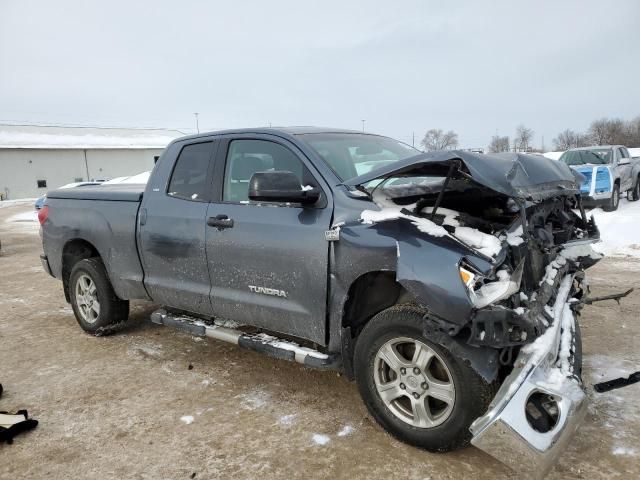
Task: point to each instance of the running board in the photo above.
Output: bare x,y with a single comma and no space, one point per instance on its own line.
259,342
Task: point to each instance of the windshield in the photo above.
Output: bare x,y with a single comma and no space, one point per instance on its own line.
352,154
595,156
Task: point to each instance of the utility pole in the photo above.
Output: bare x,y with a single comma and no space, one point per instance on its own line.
413,139
197,124
363,124
542,144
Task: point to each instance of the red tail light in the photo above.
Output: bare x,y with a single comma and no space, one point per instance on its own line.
43,214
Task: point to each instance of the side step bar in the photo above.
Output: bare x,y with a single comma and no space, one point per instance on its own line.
259,342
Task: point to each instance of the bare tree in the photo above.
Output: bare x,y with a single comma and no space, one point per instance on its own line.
436,139
499,144
523,138
608,131
570,139
633,133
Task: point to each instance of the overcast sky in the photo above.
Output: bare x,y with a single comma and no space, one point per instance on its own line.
403,66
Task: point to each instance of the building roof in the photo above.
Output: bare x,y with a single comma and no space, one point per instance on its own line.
50,137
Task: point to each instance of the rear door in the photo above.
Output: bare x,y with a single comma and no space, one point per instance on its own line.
270,268
172,230
624,167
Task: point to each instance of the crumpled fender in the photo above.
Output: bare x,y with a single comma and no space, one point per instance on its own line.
427,267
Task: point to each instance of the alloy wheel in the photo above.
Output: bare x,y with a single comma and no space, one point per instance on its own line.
414,382
87,299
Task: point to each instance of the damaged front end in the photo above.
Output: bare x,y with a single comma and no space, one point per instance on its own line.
511,242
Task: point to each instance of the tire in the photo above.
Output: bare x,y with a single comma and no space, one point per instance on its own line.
89,287
468,395
613,203
633,195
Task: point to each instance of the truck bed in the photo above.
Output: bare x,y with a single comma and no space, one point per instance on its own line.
104,218
117,192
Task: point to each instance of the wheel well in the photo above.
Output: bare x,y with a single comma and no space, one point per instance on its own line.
370,294
72,253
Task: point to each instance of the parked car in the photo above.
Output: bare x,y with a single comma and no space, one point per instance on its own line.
608,171
40,201
449,296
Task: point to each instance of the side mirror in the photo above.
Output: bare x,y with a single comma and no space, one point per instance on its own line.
624,161
280,186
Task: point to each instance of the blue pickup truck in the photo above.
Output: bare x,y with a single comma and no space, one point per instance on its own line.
608,171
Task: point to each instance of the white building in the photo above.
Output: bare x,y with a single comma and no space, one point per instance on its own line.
35,159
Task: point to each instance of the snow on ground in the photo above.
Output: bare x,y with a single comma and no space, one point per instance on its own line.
553,155
31,216
320,439
19,201
619,230
188,419
612,410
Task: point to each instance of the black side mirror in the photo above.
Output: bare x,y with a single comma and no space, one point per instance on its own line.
280,186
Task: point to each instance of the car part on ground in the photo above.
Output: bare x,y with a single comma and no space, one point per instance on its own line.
12,424
617,383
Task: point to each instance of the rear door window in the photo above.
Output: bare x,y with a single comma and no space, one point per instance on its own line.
189,177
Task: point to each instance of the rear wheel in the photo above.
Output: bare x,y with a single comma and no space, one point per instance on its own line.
634,194
414,388
615,199
95,304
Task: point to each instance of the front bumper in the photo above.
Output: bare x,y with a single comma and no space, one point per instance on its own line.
541,368
597,199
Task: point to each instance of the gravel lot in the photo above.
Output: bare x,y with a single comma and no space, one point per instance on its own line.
131,406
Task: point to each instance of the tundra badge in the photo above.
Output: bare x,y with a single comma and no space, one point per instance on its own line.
268,291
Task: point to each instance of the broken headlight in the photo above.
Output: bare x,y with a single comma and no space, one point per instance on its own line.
488,292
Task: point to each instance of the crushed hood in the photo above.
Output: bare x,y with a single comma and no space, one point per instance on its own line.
517,175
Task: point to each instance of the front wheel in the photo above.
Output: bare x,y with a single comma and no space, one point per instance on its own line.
416,389
95,304
615,199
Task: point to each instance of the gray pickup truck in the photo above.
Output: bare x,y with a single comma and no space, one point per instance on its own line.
446,284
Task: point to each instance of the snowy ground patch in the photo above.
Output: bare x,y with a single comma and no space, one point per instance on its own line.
17,202
619,230
613,410
346,431
187,419
254,400
320,439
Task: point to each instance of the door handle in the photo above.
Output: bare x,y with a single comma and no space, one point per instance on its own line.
220,222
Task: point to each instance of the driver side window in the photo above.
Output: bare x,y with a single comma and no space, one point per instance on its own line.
246,157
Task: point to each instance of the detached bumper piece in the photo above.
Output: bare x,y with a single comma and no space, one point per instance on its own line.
539,406
259,342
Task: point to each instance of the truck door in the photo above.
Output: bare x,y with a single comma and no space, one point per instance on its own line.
268,262
625,168
172,228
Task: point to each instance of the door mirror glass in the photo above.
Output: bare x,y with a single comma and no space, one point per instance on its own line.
280,186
